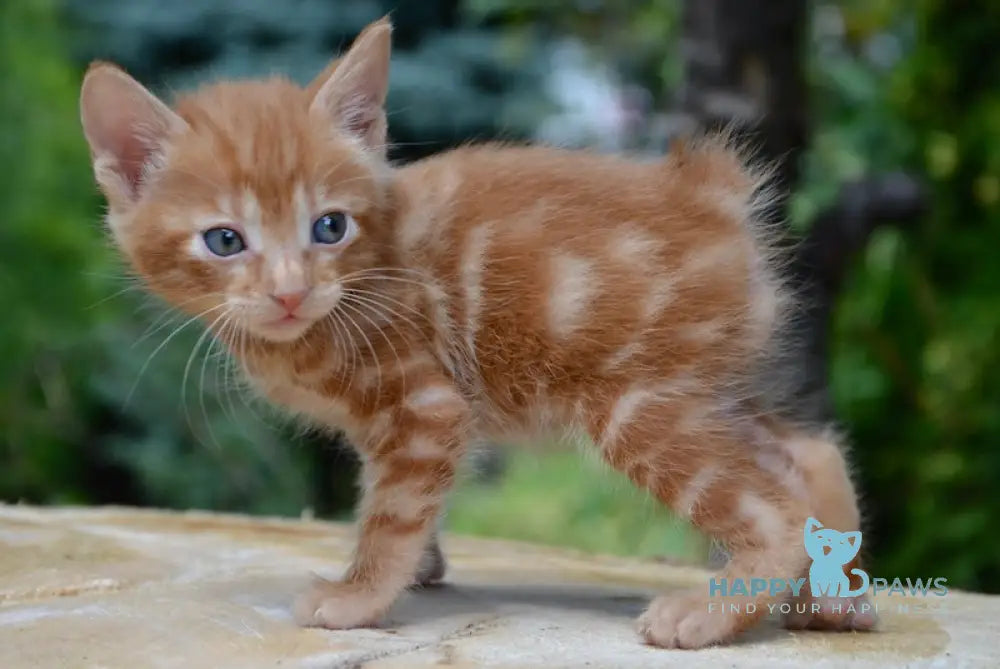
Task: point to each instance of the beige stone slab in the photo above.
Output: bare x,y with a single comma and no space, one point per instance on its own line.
124,588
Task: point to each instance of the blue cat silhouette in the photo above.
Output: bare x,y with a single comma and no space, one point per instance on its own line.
830,551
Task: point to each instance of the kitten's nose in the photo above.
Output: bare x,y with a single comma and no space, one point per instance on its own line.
290,301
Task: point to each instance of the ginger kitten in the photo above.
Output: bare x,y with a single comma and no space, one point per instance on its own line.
481,292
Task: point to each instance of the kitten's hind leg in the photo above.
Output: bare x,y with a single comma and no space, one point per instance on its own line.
815,465
691,456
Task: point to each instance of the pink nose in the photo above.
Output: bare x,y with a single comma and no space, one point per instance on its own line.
290,301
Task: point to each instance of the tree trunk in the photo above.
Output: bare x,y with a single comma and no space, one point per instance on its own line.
743,68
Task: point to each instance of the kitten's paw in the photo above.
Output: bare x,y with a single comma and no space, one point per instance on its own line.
432,566
687,621
831,613
337,605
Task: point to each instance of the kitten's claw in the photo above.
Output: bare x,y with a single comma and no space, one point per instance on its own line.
832,614
338,605
685,621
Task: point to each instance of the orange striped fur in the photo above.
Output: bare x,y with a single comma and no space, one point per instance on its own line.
481,293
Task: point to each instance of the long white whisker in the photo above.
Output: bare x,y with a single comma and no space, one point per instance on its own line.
221,371
341,339
159,348
382,310
368,343
243,391
171,315
215,341
357,278
349,344
357,309
187,370
117,293
330,325
374,298
387,268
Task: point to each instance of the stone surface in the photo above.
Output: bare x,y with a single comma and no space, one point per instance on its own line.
124,588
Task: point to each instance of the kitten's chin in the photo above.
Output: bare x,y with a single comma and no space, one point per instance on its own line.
283,331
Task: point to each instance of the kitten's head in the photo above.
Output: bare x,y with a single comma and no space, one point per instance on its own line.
248,202
827,545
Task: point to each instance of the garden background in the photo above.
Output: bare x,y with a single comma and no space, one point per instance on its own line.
886,114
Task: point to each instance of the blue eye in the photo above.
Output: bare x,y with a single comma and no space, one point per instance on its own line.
223,241
329,228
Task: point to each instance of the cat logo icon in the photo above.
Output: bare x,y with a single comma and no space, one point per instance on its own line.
830,550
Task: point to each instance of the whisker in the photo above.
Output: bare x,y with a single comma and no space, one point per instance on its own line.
368,343
159,348
244,390
384,312
215,341
373,296
330,326
399,275
381,277
171,315
349,344
340,338
184,381
117,293
388,341
221,371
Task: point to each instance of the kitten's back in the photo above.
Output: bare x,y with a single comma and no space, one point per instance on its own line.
576,268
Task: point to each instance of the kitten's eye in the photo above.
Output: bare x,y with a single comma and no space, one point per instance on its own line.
224,241
329,228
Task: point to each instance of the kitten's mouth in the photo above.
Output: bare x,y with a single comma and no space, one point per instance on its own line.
286,328
286,323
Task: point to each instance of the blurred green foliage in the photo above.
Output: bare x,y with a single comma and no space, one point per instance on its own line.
916,366
560,498
79,424
916,369
48,260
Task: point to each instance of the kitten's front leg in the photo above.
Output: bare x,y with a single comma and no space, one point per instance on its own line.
409,467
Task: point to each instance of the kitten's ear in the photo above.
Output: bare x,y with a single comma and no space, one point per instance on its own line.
353,92
313,88
812,525
127,128
853,538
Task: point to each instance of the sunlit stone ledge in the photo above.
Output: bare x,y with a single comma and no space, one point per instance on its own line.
114,587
